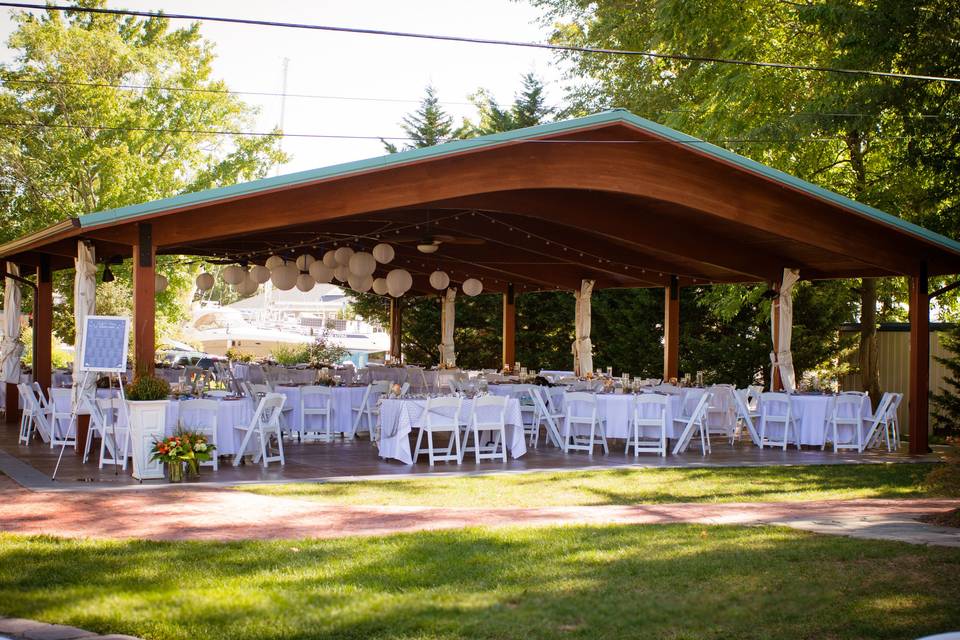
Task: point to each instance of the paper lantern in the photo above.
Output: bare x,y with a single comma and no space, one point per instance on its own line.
248,286
304,261
399,282
160,283
472,287
305,282
341,273
330,259
259,273
383,253
439,280
380,286
205,281
343,255
273,262
360,283
362,264
284,277
234,274
321,272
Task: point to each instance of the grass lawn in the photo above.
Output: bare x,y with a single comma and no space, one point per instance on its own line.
623,486
673,581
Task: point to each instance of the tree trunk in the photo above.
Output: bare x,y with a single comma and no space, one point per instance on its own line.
869,347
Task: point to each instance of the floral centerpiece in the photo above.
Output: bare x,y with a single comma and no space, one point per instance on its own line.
181,452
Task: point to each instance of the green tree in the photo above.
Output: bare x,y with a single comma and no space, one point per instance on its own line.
428,126
946,403
73,142
529,108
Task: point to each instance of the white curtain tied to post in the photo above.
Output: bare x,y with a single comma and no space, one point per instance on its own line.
781,357
582,347
11,348
448,355
84,304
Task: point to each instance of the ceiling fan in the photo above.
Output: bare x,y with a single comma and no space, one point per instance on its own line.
429,242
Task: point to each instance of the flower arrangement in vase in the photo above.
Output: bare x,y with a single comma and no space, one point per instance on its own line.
182,452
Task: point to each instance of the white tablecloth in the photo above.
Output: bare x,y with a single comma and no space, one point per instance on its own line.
812,412
344,398
399,417
617,409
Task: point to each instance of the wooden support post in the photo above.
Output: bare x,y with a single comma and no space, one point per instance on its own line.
12,405
396,323
671,330
144,301
509,327
919,362
43,323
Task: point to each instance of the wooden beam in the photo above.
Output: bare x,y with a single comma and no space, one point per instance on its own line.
509,335
671,331
144,301
396,329
919,362
43,321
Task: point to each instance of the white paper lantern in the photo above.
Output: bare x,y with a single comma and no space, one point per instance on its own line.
341,273
360,283
234,274
304,261
383,253
248,286
273,262
439,280
380,286
399,282
343,255
305,282
284,277
259,273
330,259
362,264
160,283
205,281
321,272
472,287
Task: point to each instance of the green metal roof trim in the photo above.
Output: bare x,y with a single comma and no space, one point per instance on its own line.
458,146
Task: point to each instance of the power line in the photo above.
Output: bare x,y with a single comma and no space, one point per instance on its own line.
275,94
490,41
274,134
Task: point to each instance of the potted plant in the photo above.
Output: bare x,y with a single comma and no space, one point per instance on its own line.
182,454
147,400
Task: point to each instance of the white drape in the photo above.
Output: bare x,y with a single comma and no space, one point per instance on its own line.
782,358
10,348
84,304
448,356
582,347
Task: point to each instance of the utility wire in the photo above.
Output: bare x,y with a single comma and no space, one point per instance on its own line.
274,94
490,41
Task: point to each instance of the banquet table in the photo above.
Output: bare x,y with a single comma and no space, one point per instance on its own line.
344,399
812,411
398,418
617,410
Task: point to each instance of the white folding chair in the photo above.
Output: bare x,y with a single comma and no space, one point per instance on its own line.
695,422
201,416
105,423
441,415
487,415
746,415
368,407
316,402
417,379
845,426
58,422
589,420
893,421
721,412
874,422
60,408
32,416
777,408
546,415
649,432
264,424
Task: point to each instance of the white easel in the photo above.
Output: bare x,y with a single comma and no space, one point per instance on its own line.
101,352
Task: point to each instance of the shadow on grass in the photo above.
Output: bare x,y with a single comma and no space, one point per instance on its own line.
677,581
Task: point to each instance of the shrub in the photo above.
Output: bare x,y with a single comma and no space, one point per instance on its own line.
148,388
236,355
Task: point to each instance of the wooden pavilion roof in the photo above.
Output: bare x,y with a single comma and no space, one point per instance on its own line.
610,197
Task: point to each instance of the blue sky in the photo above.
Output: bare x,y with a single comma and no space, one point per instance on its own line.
251,58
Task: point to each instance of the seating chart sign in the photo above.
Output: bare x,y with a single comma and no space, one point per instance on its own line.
105,344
